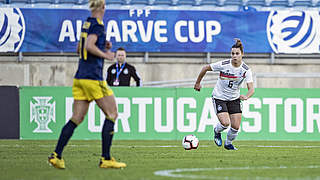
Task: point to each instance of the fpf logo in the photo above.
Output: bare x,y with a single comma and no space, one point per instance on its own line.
12,29
294,31
42,112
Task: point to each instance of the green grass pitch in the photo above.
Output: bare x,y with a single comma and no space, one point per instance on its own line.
148,160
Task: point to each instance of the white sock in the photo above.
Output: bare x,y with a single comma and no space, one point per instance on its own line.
232,134
219,128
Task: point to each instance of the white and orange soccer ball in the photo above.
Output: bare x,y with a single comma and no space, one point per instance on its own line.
190,142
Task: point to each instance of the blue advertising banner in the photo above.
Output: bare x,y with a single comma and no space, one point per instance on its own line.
145,30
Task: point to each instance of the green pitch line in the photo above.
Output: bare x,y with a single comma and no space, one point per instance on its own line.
26,159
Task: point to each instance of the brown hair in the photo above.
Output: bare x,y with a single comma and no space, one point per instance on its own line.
121,49
238,44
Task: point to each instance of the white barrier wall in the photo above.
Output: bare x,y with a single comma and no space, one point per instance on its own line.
59,70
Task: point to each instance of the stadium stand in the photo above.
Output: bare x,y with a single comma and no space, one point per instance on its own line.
233,2
165,2
209,2
189,2
255,3
45,1
144,2
224,5
315,3
73,1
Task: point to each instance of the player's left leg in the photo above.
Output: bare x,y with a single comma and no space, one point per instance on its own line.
234,109
235,120
109,107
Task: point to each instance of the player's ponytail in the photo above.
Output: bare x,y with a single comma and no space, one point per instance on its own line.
238,44
95,4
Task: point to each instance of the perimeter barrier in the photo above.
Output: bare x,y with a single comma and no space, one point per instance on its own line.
171,113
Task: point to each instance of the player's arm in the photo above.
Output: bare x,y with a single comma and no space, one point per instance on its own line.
250,87
109,74
249,93
93,49
136,77
203,71
108,50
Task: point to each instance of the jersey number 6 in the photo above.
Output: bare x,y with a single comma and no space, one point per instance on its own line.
230,84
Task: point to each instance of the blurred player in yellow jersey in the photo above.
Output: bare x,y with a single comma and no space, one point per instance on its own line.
89,85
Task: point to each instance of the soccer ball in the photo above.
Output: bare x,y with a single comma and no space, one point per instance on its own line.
190,142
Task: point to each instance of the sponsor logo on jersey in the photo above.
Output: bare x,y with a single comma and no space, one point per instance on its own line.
294,31
12,29
228,76
113,71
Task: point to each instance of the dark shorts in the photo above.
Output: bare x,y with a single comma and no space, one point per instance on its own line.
230,107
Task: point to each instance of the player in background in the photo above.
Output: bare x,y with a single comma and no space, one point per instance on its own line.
226,94
89,85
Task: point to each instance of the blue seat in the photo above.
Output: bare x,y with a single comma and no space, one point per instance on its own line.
115,2
256,3
186,2
304,3
282,3
209,2
19,1
233,3
315,3
43,1
163,2
67,1
133,2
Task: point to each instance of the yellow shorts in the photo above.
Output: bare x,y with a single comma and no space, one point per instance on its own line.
86,89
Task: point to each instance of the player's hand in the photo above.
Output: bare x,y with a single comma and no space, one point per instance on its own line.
109,55
243,97
197,86
108,45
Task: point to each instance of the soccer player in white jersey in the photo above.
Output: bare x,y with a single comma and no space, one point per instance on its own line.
226,94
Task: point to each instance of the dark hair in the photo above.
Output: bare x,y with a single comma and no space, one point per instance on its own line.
121,49
238,44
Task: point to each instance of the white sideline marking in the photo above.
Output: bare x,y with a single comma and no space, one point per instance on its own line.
262,146
144,146
172,173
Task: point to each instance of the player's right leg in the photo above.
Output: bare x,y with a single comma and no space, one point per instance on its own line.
221,110
80,109
221,126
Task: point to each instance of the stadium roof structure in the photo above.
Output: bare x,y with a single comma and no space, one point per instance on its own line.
213,5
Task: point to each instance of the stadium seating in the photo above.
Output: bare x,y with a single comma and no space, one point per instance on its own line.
72,1
300,3
224,4
145,2
233,3
210,2
165,2
19,1
255,3
44,1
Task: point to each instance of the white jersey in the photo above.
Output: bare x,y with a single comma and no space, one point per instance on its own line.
230,79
